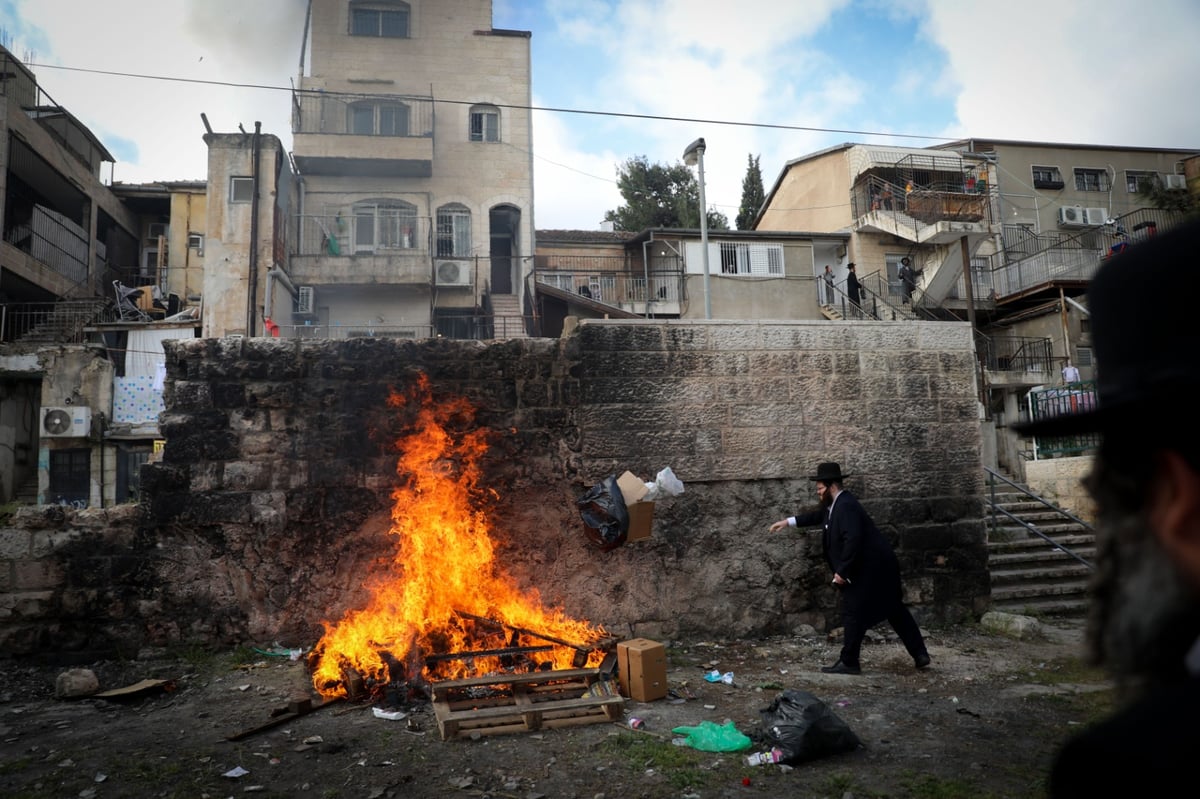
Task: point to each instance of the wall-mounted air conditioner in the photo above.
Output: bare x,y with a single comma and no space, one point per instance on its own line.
1071,216
69,421
452,273
1095,216
1174,181
306,300
156,229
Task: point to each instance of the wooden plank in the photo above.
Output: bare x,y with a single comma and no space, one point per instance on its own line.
543,700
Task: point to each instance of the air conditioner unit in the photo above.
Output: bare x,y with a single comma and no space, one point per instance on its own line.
157,229
452,273
306,300
1174,181
70,421
1095,216
1071,216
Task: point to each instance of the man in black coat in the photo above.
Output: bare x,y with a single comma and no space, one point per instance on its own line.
853,289
864,568
1144,619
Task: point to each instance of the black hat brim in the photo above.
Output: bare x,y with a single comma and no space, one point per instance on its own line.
1068,424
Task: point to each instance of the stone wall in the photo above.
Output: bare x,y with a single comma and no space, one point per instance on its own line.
270,509
1060,480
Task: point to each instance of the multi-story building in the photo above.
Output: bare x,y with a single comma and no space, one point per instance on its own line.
412,145
660,273
85,294
1032,221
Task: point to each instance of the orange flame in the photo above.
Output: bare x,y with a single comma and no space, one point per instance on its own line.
442,572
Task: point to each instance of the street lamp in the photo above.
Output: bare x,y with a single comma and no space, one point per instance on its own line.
692,156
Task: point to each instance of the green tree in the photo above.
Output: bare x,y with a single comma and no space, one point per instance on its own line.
656,195
1159,196
753,194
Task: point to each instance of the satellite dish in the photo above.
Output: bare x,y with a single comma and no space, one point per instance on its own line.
57,421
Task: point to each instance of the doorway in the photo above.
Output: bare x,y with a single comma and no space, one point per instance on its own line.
503,226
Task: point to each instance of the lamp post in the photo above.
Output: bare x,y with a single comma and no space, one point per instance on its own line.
693,156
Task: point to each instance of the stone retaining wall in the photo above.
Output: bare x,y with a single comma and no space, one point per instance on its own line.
270,508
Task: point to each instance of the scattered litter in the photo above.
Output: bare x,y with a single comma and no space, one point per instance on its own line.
727,678
314,739
713,676
710,707
235,772
390,715
710,737
145,686
773,755
278,651
245,687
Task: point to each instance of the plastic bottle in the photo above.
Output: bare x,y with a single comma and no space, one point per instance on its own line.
775,755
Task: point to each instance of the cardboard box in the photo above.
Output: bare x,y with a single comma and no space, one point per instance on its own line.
642,669
641,513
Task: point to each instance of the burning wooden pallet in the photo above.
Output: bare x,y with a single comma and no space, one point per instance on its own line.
502,704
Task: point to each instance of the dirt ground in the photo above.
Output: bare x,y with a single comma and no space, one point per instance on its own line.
982,721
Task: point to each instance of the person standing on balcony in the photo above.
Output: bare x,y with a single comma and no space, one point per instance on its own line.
828,285
1144,624
865,570
853,290
887,196
1070,373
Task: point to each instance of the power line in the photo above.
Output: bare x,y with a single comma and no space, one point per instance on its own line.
549,109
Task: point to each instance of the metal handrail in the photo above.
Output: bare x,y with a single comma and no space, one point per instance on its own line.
993,475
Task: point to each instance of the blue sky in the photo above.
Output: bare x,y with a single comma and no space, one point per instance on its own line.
1100,72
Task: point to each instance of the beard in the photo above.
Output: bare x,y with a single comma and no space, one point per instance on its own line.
1144,617
826,499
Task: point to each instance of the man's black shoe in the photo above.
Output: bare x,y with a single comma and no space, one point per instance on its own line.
921,661
841,668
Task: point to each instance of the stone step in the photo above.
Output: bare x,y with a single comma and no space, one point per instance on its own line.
1017,535
1035,558
1022,591
1044,606
1054,573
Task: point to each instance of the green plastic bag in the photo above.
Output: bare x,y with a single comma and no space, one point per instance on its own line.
710,737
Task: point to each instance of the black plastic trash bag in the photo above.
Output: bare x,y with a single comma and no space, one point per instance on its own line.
804,728
605,518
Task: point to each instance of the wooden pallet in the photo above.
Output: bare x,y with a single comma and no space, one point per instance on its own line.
524,702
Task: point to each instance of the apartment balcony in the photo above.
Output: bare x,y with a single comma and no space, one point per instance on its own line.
1016,361
940,213
362,249
613,281
361,135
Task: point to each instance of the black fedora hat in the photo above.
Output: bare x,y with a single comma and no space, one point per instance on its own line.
1144,336
828,473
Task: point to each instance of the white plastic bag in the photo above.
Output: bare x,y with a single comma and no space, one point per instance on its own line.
665,484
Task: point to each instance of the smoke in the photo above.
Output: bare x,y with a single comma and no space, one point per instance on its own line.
262,37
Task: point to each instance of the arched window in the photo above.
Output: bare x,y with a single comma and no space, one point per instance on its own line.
485,123
382,18
373,118
384,224
453,231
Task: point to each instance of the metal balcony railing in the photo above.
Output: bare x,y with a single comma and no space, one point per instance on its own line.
1069,398
612,279
362,114
49,237
1015,354
379,230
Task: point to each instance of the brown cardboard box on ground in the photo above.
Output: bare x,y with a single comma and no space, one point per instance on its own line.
641,513
642,669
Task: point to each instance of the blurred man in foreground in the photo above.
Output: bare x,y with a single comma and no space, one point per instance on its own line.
1144,623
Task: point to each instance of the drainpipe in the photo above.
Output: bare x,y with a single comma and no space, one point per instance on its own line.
252,293
646,271
1066,331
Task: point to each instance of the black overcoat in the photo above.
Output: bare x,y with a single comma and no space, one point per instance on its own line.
855,549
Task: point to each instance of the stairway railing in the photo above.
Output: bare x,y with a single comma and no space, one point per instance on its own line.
993,479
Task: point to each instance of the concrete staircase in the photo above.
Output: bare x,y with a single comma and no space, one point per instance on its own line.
507,318
1029,575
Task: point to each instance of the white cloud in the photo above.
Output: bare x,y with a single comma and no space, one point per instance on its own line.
1103,72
